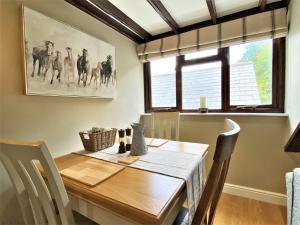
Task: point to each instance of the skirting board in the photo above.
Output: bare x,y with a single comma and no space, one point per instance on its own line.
256,194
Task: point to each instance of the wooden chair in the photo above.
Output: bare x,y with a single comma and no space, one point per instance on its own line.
214,185
40,202
165,125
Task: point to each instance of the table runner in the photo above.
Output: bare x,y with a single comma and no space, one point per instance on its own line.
189,167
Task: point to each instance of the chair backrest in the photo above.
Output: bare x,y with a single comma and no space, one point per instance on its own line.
217,175
39,200
165,125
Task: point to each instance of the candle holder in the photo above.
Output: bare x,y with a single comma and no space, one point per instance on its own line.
203,110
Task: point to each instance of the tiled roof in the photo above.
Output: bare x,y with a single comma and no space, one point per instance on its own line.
207,82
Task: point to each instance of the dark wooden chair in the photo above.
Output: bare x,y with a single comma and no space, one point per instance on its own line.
214,185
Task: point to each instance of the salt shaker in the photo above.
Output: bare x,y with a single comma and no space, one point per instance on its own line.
128,139
122,148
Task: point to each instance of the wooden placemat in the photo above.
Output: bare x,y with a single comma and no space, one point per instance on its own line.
91,172
156,142
128,159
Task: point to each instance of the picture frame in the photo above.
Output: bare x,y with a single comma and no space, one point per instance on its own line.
60,60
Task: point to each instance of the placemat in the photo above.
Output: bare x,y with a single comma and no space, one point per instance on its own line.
91,172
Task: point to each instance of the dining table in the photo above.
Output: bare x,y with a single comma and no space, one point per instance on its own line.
131,195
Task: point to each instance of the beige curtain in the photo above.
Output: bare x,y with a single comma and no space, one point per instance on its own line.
271,24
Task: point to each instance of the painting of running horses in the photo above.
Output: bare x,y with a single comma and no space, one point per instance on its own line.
63,61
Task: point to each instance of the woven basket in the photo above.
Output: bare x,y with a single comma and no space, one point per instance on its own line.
96,141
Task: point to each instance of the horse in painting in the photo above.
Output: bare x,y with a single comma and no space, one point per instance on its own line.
69,67
57,66
106,70
42,54
83,67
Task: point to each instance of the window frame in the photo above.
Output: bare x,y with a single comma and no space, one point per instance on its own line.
278,77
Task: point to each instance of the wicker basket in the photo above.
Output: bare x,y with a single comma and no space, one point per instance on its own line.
96,141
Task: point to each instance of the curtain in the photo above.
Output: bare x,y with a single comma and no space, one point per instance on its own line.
266,25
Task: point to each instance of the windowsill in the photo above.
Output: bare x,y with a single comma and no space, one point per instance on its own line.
231,114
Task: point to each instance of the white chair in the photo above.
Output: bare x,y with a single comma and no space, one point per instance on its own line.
40,203
165,125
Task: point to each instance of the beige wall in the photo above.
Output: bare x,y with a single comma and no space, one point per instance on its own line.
258,161
57,120
293,66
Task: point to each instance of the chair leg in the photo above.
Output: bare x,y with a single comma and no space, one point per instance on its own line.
218,193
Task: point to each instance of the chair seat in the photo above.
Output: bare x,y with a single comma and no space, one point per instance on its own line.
82,220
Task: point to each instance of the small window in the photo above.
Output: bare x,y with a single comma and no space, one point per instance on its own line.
201,80
251,73
201,54
163,83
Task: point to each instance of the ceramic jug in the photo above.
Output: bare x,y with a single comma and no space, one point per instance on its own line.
138,145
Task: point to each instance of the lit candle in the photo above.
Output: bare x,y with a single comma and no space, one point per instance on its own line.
203,102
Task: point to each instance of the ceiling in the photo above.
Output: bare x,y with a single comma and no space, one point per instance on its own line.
146,22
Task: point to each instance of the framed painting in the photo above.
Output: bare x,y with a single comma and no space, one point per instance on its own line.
63,61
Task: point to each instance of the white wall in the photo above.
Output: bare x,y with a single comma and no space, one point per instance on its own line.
293,66
57,120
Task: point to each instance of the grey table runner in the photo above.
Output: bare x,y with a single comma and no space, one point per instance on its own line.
189,167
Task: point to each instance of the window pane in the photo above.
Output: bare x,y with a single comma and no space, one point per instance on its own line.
251,73
201,80
201,54
163,82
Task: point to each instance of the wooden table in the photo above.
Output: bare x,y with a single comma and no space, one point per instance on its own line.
132,196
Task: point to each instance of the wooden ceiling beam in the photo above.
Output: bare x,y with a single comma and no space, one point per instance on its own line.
90,9
287,1
113,11
262,4
164,14
212,10
223,19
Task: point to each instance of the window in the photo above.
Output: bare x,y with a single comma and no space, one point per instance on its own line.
251,73
242,78
163,83
201,80
201,54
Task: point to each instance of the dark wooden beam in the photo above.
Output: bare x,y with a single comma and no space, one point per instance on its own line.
164,14
262,4
212,10
234,16
113,11
106,19
287,1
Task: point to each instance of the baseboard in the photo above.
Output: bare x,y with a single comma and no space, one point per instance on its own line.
257,194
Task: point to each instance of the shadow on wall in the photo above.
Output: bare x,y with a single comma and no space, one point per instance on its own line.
295,156
10,213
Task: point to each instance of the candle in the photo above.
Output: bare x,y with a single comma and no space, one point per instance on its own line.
203,102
